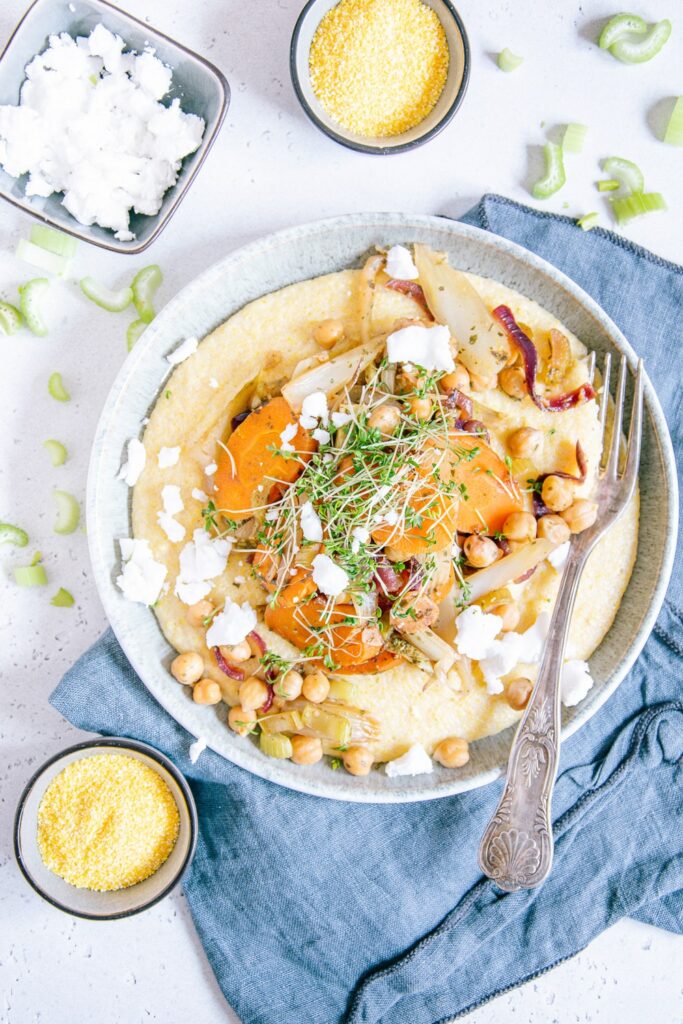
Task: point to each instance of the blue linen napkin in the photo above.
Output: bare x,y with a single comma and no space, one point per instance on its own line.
320,912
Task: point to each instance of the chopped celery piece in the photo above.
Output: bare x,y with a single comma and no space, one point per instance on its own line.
509,61
638,51
673,134
574,138
30,575
555,176
68,512
42,258
56,451
628,174
619,26
30,295
10,318
63,599
274,744
608,185
37,557
52,240
133,333
588,221
10,534
636,205
343,690
145,284
55,386
106,298
327,726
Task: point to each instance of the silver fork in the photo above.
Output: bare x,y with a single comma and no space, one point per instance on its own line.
516,850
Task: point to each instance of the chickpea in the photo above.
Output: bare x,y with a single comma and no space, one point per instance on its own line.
453,752
357,760
206,691
237,654
420,408
524,442
480,551
513,382
483,383
553,528
517,693
520,526
289,685
241,721
580,515
385,418
197,613
557,493
509,613
316,687
459,379
188,668
306,749
253,693
328,332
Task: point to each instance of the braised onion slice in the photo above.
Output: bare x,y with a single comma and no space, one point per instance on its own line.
331,376
412,289
502,572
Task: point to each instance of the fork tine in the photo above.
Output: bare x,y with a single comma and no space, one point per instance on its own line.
604,401
612,468
634,435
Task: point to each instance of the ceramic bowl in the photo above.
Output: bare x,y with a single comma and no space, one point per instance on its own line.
104,906
444,109
294,255
201,88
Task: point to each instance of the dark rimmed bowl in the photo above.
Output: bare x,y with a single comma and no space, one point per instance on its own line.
104,906
442,113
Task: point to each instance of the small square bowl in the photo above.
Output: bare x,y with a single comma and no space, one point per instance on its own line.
116,903
201,88
444,110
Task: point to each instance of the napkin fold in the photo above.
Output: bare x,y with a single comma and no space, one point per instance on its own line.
321,912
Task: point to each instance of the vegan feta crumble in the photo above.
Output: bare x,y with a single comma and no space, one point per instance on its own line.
428,347
168,457
232,625
400,264
329,577
201,560
141,577
135,462
415,761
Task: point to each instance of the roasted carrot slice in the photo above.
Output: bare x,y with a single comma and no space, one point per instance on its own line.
250,462
381,663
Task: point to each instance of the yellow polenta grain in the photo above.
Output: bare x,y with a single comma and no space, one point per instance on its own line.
106,822
379,66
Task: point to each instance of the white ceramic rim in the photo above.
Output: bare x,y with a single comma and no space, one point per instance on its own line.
242,754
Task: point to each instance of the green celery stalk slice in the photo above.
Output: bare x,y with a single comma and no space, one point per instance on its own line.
55,386
30,296
30,575
42,258
673,134
10,534
68,512
509,61
274,744
626,208
555,176
628,174
114,301
620,25
56,451
63,599
609,185
133,333
145,284
588,221
10,318
638,51
574,138
53,240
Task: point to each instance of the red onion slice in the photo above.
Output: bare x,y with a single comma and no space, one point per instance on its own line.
268,702
256,641
239,418
413,289
455,399
227,669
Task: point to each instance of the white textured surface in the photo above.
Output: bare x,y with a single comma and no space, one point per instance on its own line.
269,169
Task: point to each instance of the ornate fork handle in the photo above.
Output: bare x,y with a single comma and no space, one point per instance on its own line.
517,847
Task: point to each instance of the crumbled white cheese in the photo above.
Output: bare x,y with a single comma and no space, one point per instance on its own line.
329,577
321,436
575,682
328,457
202,559
287,436
415,761
210,469
513,649
311,527
340,419
359,536
558,557
232,625
168,457
428,347
199,495
399,263
271,515
89,124
196,749
313,408
391,517
475,632
141,577
184,350
135,462
213,383
172,505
